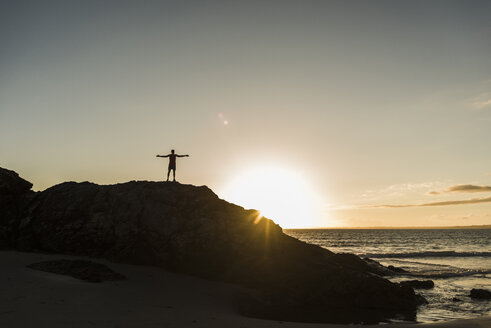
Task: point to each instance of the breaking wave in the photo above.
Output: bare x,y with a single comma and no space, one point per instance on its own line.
428,254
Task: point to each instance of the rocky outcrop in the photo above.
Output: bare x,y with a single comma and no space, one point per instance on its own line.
80,269
381,270
15,194
396,269
188,229
421,299
482,294
418,284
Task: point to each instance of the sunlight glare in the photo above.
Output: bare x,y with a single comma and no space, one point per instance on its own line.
280,194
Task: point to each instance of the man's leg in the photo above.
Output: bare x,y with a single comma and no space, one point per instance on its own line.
168,172
174,174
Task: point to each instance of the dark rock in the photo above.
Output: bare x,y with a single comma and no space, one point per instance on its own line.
80,269
396,269
421,299
188,229
353,261
253,307
482,294
382,270
15,194
11,183
455,299
377,268
418,284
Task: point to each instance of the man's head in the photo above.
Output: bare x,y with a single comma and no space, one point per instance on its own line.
172,151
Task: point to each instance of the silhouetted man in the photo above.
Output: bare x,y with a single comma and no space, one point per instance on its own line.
172,163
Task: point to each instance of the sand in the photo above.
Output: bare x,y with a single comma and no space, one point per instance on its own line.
150,297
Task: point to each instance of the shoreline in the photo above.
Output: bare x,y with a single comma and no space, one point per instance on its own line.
150,297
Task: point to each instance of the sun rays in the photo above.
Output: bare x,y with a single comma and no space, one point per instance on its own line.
278,193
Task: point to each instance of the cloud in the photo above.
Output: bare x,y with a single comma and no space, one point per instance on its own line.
397,191
463,189
482,104
483,99
468,188
444,203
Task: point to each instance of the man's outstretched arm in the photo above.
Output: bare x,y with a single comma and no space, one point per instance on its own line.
182,155
163,155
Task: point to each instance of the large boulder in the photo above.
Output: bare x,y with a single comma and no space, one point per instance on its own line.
15,193
482,294
188,229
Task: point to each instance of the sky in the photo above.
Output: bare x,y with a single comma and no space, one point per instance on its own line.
349,113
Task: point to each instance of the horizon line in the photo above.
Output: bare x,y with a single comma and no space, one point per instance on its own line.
480,226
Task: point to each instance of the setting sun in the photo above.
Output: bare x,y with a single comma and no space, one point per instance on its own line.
280,194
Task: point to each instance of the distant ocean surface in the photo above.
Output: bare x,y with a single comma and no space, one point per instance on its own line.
457,260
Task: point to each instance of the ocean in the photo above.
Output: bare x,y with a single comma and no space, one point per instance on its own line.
457,260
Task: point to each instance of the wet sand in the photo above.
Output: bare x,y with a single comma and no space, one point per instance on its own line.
150,297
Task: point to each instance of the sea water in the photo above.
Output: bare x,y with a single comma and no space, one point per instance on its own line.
457,260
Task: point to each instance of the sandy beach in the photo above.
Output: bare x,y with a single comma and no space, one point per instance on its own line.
150,297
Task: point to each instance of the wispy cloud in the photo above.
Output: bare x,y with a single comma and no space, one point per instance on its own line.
480,104
398,190
409,190
468,188
444,203
483,99
462,189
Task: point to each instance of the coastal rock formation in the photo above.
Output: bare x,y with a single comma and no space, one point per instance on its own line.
396,269
418,284
15,194
482,294
381,270
188,229
421,299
